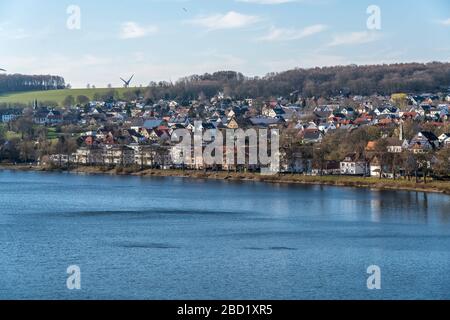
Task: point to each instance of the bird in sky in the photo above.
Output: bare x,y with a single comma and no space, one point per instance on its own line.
185,10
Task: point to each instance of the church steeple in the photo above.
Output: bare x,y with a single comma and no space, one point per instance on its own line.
401,131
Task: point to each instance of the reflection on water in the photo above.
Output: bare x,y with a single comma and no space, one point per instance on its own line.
171,238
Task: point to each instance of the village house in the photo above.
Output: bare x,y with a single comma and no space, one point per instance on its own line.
375,167
312,136
434,113
265,122
325,127
354,164
348,111
412,115
329,168
377,170
40,116
423,109
389,110
136,123
151,156
153,123
395,145
444,139
118,155
90,156
9,115
232,123
273,112
424,141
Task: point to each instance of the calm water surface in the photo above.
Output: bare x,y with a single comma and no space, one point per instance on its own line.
171,238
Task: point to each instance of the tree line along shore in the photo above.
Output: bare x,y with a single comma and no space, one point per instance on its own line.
442,187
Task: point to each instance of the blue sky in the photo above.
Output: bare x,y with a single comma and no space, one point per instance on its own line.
167,39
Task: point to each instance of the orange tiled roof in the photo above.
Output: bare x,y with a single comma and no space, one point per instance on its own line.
371,145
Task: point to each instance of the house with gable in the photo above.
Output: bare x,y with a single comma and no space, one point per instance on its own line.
424,141
444,139
354,164
9,115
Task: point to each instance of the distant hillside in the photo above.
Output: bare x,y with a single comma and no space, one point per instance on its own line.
315,82
57,96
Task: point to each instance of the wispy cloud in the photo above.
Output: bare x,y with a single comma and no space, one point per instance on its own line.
280,34
10,33
132,30
230,20
445,22
267,1
354,38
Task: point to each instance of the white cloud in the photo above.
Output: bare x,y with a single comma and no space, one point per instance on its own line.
445,22
8,32
280,34
353,38
131,30
230,20
267,1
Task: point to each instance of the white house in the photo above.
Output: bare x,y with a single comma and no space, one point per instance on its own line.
375,167
354,164
348,111
8,117
444,139
325,127
395,145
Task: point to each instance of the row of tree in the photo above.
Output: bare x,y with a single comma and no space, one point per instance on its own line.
316,82
21,82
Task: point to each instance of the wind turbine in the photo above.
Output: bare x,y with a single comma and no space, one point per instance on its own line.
3,70
127,83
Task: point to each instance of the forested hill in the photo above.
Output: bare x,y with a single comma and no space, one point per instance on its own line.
318,82
327,81
20,82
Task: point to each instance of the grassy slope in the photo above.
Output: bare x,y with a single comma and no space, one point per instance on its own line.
53,95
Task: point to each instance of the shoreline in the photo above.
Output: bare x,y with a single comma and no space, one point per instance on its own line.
441,187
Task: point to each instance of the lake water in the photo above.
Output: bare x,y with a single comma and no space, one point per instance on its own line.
173,238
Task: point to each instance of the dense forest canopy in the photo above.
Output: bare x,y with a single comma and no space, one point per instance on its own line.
20,82
324,82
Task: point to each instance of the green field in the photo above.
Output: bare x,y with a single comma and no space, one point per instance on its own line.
57,96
